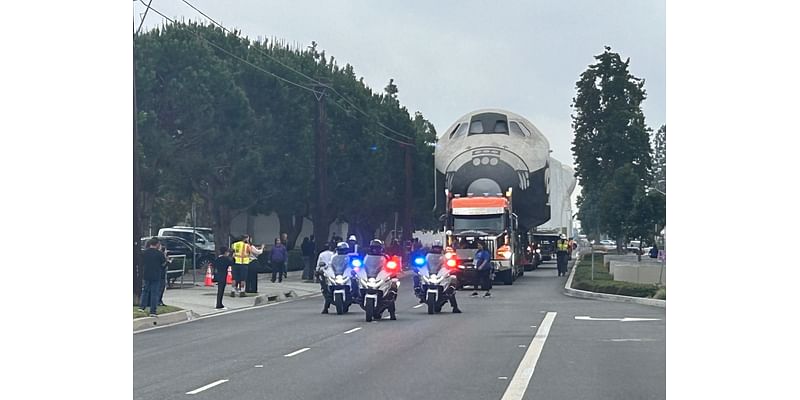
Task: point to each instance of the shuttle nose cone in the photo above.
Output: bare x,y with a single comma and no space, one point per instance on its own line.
484,185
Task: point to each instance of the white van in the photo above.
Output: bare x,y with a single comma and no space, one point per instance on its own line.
203,237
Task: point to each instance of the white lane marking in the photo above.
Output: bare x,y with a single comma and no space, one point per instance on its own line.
419,305
213,315
352,330
626,319
502,377
522,378
259,366
522,345
292,354
209,386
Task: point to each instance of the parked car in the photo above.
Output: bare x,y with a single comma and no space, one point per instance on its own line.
177,247
633,247
608,245
199,237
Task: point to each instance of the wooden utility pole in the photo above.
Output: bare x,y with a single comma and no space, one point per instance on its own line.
408,229
137,203
321,170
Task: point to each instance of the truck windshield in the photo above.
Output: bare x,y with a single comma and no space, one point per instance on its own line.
486,223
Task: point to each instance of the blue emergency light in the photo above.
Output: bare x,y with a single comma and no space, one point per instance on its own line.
419,261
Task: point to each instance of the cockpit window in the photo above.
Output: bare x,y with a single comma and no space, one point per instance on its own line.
525,129
488,123
454,130
516,130
475,127
459,130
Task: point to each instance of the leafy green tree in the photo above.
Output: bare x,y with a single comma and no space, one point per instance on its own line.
660,159
234,138
611,147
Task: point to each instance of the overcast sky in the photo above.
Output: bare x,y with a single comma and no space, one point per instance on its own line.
452,57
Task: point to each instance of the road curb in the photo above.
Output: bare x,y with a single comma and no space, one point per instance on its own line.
189,315
164,319
270,298
569,291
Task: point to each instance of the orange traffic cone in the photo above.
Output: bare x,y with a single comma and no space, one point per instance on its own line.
209,277
230,277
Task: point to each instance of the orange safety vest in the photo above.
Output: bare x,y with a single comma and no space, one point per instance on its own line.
241,251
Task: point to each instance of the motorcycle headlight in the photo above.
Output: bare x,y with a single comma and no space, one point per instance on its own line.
538,251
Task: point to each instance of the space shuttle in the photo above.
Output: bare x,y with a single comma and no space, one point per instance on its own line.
489,151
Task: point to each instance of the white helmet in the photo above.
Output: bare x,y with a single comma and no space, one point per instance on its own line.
352,237
562,236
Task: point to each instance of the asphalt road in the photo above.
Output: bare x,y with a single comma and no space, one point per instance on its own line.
584,349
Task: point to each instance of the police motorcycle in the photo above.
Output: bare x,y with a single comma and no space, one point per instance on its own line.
340,287
434,285
378,282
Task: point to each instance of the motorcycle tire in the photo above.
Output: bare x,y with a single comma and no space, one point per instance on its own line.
431,304
369,309
338,301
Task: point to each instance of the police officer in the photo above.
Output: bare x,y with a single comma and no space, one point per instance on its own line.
483,265
355,249
323,262
562,253
376,249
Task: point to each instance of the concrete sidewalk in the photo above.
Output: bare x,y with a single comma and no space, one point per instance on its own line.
198,300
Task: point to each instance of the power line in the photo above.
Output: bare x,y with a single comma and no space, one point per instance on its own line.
235,56
316,93
346,100
347,112
143,16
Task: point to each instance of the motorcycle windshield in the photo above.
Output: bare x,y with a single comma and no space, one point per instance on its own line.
435,262
340,263
373,265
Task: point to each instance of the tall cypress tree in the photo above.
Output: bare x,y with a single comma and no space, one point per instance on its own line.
612,143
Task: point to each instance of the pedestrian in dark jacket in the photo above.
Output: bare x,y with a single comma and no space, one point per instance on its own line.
151,262
221,265
307,248
278,258
654,252
483,265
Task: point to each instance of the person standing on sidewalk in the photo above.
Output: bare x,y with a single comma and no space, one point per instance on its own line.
324,260
152,260
308,253
278,258
483,263
251,284
221,265
241,258
562,253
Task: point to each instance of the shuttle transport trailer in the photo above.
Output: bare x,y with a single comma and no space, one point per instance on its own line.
489,218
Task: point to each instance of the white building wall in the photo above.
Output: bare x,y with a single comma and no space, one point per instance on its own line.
266,228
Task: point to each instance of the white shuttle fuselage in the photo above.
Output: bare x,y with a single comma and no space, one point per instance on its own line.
491,150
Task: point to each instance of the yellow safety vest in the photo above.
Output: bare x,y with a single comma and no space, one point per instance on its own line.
241,253
562,245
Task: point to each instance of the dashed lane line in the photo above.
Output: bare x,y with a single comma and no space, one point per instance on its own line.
294,353
209,386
